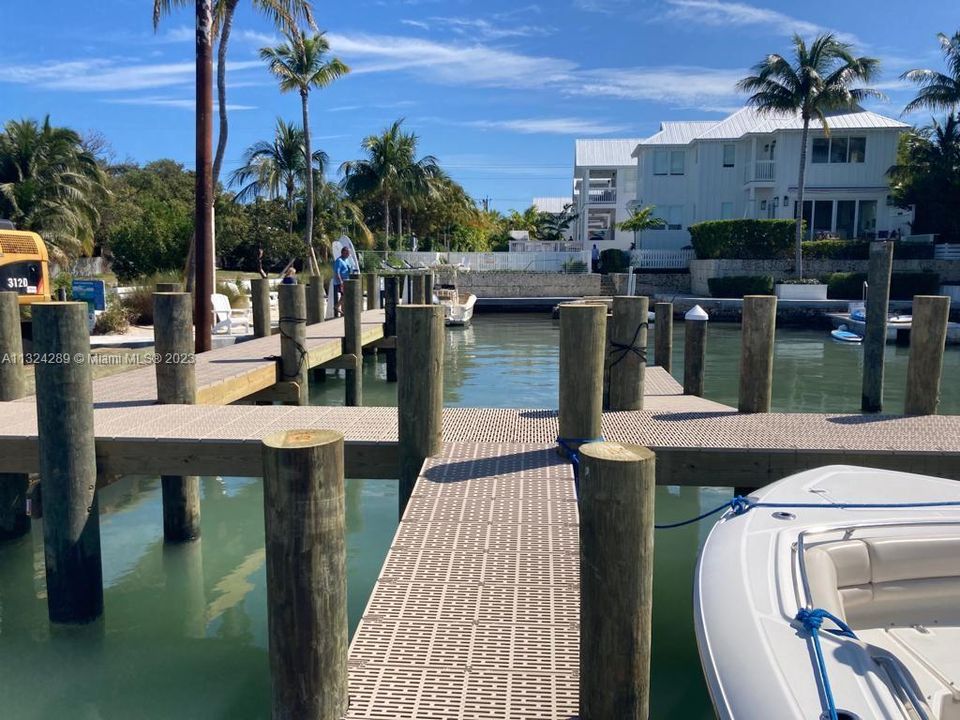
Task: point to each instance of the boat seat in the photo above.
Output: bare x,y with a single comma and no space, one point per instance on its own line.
890,581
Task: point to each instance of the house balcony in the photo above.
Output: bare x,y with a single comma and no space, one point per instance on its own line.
601,195
762,171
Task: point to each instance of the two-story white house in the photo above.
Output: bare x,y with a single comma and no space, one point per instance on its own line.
604,191
747,166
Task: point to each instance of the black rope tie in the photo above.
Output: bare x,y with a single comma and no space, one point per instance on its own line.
301,350
621,350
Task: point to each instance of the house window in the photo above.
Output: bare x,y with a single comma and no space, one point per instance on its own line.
729,154
839,150
858,149
661,162
672,215
676,162
726,211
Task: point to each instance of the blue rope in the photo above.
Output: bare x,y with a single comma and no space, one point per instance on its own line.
575,456
812,621
741,505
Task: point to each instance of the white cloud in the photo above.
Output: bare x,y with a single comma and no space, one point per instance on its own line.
181,34
257,38
724,14
416,23
481,29
555,126
183,103
606,7
676,85
106,75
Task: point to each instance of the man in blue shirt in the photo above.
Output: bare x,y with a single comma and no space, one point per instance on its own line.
341,273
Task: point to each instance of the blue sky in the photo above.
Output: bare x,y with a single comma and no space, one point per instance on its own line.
497,90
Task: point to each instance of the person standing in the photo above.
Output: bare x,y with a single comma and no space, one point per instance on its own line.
595,258
341,273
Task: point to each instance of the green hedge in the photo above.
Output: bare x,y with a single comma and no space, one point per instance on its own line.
903,286
736,286
743,239
613,260
860,250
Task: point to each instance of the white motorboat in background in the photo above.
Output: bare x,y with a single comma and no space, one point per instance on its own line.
457,306
892,574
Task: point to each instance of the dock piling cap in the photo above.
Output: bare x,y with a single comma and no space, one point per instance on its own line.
696,313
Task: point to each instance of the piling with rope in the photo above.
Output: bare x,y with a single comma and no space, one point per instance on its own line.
583,328
294,362
628,352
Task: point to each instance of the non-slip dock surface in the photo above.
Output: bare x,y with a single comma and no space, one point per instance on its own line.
475,614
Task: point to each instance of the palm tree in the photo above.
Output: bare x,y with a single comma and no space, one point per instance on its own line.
301,64
51,185
278,168
335,213
391,172
552,226
816,81
641,219
528,220
938,91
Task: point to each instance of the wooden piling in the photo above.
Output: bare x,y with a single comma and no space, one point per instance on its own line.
583,328
416,289
875,335
293,337
14,521
260,299
170,287
353,340
616,580
305,529
391,299
316,301
373,291
428,288
420,390
928,336
68,463
694,350
176,385
663,335
628,352
756,353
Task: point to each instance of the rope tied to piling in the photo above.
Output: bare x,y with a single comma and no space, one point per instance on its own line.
302,352
574,455
621,350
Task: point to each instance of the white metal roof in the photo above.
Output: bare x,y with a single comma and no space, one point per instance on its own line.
679,133
553,205
606,153
747,121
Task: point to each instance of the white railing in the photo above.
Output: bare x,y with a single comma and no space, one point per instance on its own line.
763,170
661,259
946,251
545,246
602,196
923,239
502,261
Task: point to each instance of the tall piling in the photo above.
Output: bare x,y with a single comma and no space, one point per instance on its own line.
419,391
14,521
879,271
294,363
628,352
616,580
694,350
305,530
663,335
353,341
260,300
391,299
756,353
928,336
428,280
583,332
316,301
417,282
176,385
68,462
373,291
169,287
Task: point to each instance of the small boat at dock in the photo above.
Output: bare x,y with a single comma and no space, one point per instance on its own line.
843,334
834,594
457,306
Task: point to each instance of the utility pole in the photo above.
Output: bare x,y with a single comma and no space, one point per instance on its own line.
203,218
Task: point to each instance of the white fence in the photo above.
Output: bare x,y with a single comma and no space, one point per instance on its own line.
946,252
661,259
513,261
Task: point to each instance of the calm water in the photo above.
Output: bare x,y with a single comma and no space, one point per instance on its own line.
184,629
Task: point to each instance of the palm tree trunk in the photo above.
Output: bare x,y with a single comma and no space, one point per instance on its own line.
399,224
386,222
308,230
222,88
803,170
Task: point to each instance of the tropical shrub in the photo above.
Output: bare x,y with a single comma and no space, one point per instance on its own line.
743,239
114,320
155,241
903,286
139,302
613,260
860,250
574,266
736,286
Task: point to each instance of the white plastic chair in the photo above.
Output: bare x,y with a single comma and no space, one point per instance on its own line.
225,318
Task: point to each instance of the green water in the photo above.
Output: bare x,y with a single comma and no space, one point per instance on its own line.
184,629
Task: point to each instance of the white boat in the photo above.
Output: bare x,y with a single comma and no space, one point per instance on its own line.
892,574
457,306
